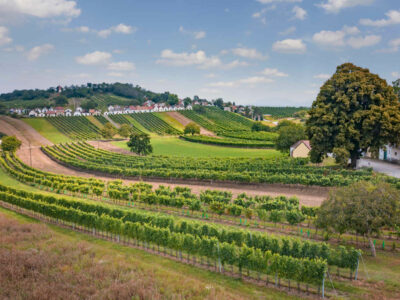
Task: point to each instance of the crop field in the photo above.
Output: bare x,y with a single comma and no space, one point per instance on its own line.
76,128
46,129
233,142
257,170
205,249
153,123
169,145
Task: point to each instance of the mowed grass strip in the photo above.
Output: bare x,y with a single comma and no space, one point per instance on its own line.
47,130
95,121
174,146
170,120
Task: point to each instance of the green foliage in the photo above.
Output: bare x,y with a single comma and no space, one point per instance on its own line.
362,207
355,111
288,135
89,104
10,143
259,126
281,112
61,100
125,130
192,128
140,144
108,131
228,141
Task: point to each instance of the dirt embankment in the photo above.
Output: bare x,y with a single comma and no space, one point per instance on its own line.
184,121
310,196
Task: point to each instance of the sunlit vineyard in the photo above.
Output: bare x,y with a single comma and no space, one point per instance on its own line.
77,128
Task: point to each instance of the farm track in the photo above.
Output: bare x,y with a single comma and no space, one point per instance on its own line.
310,196
184,121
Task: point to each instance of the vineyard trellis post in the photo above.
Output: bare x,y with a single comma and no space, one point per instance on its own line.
323,286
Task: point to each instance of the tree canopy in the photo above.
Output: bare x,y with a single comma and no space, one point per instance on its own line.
125,130
355,110
140,143
108,131
288,135
363,207
10,143
192,128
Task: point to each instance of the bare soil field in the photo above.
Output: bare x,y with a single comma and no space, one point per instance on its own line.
184,121
310,196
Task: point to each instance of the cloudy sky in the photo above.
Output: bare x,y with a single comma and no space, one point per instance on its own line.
265,52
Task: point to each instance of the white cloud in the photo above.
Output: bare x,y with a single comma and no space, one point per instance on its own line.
273,72
299,13
261,13
40,8
248,53
120,28
94,58
290,46
4,38
210,75
198,35
322,76
340,38
393,17
253,80
394,46
116,74
83,29
121,66
366,41
395,74
271,1
330,38
288,31
17,48
199,58
334,6
38,51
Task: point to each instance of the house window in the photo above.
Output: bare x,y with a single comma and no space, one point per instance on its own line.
395,154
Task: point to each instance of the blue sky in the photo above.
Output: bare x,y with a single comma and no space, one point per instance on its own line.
259,52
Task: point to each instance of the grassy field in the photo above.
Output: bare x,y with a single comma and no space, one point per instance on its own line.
176,147
47,130
170,120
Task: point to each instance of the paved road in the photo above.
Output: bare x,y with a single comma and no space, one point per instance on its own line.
380,166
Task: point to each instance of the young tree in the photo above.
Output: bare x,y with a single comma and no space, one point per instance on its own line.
192,128
363,207
354,111
108,131
10,143
125,130
140,143
288,135
187,101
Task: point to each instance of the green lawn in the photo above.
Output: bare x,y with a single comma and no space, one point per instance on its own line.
175,147
47,130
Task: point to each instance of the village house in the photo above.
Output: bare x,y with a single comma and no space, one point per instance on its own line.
300,149
390,153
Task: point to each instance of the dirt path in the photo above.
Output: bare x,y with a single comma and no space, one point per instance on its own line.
310,196
184,121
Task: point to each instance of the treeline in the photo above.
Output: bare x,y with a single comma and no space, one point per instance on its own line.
281,112
126,90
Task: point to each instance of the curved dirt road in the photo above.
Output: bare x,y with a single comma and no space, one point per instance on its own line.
310,196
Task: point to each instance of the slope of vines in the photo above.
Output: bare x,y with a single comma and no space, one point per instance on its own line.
77,128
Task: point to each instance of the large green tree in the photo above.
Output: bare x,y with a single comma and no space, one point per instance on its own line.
192,128
140,143
108,131
363,207
355,111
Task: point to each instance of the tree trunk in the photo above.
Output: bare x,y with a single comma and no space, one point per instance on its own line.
371,244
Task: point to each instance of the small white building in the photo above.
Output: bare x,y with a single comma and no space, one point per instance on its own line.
33,113
68,112
390,153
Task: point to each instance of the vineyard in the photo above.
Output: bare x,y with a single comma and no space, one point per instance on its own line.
76,128
260,170
152,123
234,142
218,121
122,119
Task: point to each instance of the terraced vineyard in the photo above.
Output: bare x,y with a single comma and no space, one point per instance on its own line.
77,128
233,142
154,124
259,170
122,119
101,119
219,121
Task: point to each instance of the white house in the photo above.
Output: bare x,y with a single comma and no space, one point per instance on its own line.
68,112
33,113
77,113
79,109
390,153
